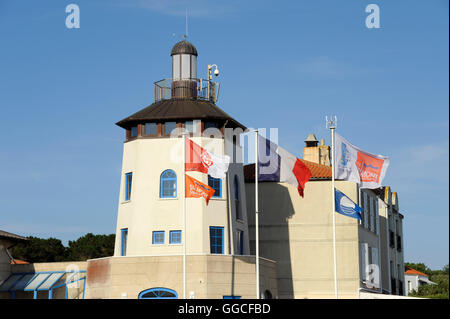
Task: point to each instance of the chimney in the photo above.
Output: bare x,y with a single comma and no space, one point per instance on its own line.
315,153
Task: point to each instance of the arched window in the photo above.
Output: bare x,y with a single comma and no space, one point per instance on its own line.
237,202
160,293
168,185
267,294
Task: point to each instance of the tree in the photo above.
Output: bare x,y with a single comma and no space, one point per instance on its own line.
40,250
440,277
91,246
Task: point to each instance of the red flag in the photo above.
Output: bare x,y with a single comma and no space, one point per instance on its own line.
302,174
200,160
195,188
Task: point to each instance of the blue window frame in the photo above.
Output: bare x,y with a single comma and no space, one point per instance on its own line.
160,293
216,184
128,181
175,237
158,238
216,240
231,297
123,241
168,184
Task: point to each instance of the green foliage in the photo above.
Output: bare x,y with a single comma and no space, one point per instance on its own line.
91,246
440,277
50,250
40,250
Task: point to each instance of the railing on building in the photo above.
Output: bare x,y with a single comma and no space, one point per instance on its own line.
200,89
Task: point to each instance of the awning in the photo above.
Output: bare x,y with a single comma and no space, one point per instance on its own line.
41,281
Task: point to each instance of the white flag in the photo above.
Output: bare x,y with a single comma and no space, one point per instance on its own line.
355,165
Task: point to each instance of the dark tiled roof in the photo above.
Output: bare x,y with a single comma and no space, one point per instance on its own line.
10,236
184,47
318,171
179,109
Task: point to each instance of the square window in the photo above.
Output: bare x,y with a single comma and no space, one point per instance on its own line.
175,237
158,238
134,131
150,129
216,184
169,127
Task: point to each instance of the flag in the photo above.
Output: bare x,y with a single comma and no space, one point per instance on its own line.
275,164
200,160
345,206
197,189
355,165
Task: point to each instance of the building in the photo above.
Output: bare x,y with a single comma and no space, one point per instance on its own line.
297,233
415,279
151,233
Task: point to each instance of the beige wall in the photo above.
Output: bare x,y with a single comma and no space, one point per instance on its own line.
297,233
208,276
147,212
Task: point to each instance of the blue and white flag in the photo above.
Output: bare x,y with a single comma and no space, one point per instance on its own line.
346,206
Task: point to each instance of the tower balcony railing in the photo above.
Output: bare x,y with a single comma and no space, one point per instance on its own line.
200,89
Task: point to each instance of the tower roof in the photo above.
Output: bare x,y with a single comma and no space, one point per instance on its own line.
179,109
184,47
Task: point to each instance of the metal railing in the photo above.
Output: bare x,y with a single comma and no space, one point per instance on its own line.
200,89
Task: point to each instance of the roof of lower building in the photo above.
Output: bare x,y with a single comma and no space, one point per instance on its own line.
19,262
11,236
318,171
411,271
179,109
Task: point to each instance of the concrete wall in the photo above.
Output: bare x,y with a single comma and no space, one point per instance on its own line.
297,233
207,276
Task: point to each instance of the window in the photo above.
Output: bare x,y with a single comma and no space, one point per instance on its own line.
168,184
175,237
162,293
134,131
169,127
267,294
210,125
128,180
123,241
216,184
240,242
158,238
189,126
237,202
216,240
150,129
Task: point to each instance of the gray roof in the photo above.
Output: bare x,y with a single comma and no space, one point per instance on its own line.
11,236
311,138
184,47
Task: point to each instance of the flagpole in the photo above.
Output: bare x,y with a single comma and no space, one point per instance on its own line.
256,215
184,214
332,123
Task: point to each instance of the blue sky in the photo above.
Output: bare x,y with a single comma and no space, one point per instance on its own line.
284,64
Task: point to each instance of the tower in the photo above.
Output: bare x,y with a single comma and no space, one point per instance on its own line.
150,211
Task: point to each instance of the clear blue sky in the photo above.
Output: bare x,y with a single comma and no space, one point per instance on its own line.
283,64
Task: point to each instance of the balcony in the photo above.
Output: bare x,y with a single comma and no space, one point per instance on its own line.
199,89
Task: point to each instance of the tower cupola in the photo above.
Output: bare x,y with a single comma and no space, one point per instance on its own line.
184,70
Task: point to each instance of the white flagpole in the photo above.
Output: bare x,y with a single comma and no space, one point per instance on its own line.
184,214
332,126
256,215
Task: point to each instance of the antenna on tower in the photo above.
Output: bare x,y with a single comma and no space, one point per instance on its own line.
186,34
